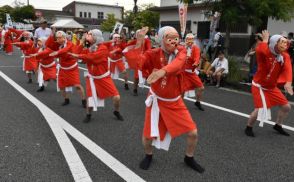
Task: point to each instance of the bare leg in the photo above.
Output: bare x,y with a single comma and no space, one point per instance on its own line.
81,91
191,145
145,163
116,104
282,114
136,81
88,116
66,97
250,123
198,93
218,78
126,76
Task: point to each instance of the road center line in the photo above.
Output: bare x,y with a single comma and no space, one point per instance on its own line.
58,125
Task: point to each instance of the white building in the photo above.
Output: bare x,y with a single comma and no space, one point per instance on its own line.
91,15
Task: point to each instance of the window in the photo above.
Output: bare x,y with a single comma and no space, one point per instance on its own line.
100,15
85,14
81,14
89,15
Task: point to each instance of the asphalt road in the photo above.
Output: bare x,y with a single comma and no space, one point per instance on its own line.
30,152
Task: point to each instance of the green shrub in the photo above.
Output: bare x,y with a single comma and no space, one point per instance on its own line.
234,75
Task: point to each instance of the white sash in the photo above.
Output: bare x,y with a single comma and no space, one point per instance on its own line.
114,75
48,65
152,101
141,79
264,114
95,101
41,74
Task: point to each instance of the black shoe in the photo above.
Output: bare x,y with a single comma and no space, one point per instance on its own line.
190,161
145,163
84,103
30,81
87,119
126,86
249,131
198,104
66,102
118,116
279,129
135,92
41,89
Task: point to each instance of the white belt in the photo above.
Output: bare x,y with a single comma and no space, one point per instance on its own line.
70,67
48,65
113,61
152,100
264,114
190,71
96,101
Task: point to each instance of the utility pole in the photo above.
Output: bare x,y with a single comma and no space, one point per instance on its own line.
28,2
135,10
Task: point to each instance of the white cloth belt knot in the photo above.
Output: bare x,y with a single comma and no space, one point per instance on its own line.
95,101
191,71
152,101
264,114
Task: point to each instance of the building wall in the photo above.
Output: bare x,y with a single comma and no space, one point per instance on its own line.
276,27
117,11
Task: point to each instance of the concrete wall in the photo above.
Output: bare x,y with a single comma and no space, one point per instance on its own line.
275,27
117,11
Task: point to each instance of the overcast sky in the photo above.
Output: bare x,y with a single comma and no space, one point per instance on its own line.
58,4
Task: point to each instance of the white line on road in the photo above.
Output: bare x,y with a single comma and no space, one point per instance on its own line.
58,125
78,170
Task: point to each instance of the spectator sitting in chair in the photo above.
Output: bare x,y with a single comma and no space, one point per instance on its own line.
220,67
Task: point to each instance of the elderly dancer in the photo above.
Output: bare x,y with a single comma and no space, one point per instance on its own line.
99,84
116,46
191,79
274,67
30,64
47,66
68,72
166,114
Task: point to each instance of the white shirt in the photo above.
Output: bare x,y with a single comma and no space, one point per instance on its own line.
40,32
219,64
216,38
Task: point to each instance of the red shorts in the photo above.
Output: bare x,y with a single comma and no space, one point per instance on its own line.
104,88
174,117
191,81
273,97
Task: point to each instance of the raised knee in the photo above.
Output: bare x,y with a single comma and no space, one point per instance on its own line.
287,108
193,134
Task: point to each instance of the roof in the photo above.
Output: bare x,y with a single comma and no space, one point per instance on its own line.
67,23
88,3
47,12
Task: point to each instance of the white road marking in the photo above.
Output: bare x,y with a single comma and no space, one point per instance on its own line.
78,170
10,66
58,125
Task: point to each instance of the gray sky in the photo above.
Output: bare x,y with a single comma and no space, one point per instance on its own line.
58,4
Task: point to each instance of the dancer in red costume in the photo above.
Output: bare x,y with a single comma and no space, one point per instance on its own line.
274,68
68,74
166,114
191,79
47,66
30,64
99,84
138,79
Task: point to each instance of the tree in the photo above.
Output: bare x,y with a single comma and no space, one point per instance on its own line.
109,23
3,11
21,13
252,12
144,17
